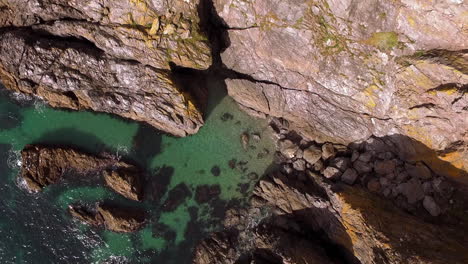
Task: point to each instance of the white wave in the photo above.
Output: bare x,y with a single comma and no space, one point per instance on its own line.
121,151
14,160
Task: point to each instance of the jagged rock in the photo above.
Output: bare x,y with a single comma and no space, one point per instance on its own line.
368,227
85,215
431,206
121,219
299,154
270,244
332,173
318,166
384,166
312,154
355,156
288,148
299,165
378,68
105,58
42,166
341,163
126,181
113,218
328,151
349,176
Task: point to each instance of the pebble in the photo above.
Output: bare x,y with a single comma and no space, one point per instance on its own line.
318,166
431,206
341,163
288,148
312,154
299,153
332,173
299,165
328,151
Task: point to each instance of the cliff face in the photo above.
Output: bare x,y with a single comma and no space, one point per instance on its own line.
345,70
114,57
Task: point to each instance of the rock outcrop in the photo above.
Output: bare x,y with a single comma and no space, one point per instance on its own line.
113,218
361,204
341,71
115,57
42,166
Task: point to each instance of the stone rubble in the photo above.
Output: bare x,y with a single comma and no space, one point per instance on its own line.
373,164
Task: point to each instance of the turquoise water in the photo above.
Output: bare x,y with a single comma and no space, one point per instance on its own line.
35,228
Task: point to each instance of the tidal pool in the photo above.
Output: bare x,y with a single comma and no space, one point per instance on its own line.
36,228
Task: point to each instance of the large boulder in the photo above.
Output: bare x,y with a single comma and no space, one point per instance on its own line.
342,71
116,57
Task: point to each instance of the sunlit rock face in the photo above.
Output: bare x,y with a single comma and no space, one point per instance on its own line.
112,56
345,70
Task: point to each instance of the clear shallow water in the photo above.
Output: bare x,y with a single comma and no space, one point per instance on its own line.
35,228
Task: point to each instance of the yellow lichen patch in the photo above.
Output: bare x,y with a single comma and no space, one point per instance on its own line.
418,80
154,27
419,134
450,165
411,21
383,40
369,93
457,159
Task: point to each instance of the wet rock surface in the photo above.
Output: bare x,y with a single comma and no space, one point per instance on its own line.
45,165
111,217
341,71
120,58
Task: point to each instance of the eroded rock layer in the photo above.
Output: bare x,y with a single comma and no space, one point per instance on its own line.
344,70
113,57
113,218
42,166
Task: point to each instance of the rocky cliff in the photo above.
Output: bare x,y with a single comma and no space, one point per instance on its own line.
116,57
368,100
343,70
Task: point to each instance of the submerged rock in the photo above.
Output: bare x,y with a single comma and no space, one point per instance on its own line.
113,218
42,166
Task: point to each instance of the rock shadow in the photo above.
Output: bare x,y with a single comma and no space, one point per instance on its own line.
146,145
74,138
